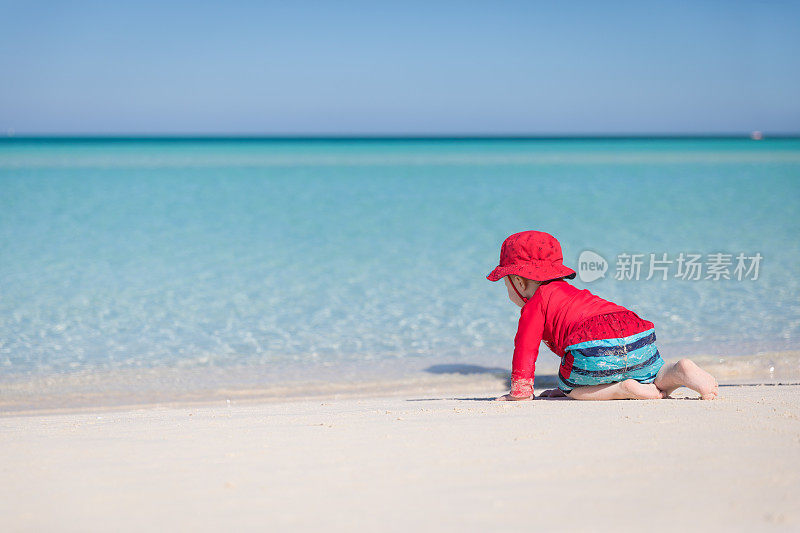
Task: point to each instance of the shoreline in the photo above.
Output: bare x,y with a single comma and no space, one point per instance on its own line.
116,391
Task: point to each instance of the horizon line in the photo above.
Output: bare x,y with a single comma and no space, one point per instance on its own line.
385,137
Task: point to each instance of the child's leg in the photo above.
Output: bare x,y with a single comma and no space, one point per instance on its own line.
685,373
630,389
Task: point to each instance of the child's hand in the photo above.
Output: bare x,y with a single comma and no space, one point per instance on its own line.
552,393
509,398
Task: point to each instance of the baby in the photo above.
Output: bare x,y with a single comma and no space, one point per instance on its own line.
607,352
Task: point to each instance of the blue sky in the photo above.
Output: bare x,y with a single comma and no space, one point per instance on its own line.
399,68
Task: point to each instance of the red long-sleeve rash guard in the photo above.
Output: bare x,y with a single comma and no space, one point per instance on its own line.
550,316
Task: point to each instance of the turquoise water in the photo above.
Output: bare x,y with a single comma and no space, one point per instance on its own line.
313,256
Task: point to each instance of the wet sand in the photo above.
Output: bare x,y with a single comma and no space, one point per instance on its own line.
134,388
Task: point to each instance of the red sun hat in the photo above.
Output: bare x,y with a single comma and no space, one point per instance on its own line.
534,255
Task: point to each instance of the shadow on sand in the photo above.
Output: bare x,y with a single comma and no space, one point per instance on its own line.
545,380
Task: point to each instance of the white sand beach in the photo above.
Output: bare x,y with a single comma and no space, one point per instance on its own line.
410,462
266,267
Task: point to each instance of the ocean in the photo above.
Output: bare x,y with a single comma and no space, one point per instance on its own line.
277,261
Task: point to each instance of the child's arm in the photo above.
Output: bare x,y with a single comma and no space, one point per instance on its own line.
526,350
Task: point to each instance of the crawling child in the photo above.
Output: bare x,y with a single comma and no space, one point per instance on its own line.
607,352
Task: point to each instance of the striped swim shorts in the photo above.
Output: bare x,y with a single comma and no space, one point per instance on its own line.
596,362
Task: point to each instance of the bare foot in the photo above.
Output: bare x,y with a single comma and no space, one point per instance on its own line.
640,391
686,373
699,380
